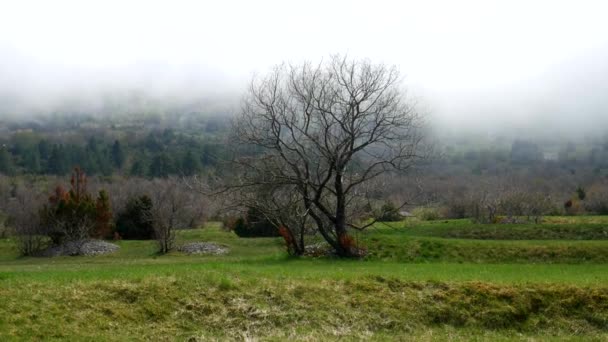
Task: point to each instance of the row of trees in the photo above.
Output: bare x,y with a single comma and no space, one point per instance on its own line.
158,156
524,153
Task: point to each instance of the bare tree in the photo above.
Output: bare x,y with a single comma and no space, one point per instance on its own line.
283,207
172,208
323,132
25,221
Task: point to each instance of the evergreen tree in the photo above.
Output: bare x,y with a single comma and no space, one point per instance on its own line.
88,161
103,216
93,158
6,161
58,164
140,167
44,148
31,161
161,166
93,145
207,155
118,155
104,160
135,222
255,224
74,214
191,165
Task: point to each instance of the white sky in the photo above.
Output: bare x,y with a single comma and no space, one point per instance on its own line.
445,48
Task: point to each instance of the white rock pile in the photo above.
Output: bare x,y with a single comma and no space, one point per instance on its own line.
203,248
81,247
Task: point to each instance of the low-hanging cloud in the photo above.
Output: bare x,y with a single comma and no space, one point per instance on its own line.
489,66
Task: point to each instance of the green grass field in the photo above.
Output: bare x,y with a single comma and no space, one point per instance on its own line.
436,280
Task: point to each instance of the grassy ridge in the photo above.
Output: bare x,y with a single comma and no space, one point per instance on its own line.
420,249
236,306
557,240
59,273
415,285
552,228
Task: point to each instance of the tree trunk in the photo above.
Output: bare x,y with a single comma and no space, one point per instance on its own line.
345,247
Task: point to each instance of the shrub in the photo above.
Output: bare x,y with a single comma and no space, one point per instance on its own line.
135,222
573,207
427,214
3,226
254,224
389,213
483,209
455,210
597,199
75,215
510,207
581,193
23,222
103,217
599,207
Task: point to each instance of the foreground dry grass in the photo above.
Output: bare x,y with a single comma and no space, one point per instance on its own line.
236,307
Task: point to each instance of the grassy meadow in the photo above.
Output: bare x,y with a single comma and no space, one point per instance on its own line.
422,280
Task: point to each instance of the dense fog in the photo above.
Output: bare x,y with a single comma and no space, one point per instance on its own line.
474,67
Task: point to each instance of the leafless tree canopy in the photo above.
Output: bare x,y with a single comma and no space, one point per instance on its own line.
325,131
25,221
173,207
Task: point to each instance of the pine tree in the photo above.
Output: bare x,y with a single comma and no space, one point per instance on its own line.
31,161
191,165
118,155
92,159
135,222
44,148
161,166
103,216
58,164
6,161
140,167
71,215
207,158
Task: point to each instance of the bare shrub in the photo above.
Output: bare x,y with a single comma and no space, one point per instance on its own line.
510,206
174,206
597,199
427,213
24,220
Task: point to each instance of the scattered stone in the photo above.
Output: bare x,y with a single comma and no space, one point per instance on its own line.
318,250
202,248
81,247
323,249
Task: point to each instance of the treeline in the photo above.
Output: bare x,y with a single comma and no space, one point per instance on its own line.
159,153
189,144
525,153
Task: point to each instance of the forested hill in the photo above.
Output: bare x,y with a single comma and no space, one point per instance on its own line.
190,142
146,145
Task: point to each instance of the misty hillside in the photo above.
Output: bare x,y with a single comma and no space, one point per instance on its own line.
344,170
